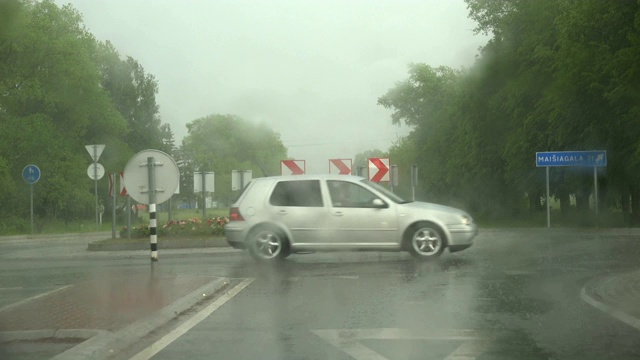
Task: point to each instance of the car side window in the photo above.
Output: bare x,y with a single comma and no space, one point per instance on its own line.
305,193
347,194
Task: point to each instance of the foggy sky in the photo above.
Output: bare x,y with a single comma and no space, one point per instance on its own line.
312,70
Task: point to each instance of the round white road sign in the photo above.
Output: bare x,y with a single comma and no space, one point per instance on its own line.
165,173
95,168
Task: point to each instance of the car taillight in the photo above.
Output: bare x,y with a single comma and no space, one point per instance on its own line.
234,214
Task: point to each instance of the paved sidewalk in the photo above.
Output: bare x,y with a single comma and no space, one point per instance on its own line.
108,304
105,314
617,295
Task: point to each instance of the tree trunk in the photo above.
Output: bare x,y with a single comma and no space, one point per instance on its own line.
625,204
535,204
582,200
565,204
635,206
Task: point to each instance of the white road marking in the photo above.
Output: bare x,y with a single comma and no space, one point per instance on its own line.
324,277
27,300
616,313
350,277
157,346
348,341
468,350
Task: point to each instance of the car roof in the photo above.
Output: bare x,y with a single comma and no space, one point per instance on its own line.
310,177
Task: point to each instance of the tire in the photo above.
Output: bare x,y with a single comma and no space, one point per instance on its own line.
425,240
268,244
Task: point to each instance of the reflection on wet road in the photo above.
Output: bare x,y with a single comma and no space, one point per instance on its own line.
511,297
514,295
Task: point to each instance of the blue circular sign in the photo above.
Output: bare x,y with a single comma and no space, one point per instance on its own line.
31,174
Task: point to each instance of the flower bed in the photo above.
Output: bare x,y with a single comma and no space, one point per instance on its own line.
181,228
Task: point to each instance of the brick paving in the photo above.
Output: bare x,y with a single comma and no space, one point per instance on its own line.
110,302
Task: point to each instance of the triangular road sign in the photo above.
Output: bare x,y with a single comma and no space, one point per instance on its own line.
95,154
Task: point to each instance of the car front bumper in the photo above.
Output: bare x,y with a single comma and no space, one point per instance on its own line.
462,236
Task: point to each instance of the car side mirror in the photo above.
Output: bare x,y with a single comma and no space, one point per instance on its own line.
377,203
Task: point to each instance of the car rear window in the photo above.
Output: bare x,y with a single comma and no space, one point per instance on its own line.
305,193
242,191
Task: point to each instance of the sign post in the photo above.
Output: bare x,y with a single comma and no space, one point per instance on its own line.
240,179
593,159
31,175
153,223
151,177
204,182
595,192
394,177
95,151
547,201
112,193
414,181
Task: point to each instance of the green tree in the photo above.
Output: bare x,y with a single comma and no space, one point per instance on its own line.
54,80
222,143
132,92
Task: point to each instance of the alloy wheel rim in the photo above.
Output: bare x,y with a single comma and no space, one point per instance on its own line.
268,245
427,241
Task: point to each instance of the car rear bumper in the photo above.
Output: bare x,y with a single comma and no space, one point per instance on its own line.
235,236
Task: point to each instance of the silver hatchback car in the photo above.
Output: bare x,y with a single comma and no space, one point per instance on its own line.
277,216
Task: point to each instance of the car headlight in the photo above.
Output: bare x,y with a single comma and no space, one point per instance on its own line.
466,220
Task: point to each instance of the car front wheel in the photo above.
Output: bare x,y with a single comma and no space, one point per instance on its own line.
425,241
268,244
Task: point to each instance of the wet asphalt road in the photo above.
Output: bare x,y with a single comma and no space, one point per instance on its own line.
513,295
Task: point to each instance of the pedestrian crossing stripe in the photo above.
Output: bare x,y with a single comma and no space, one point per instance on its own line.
350,341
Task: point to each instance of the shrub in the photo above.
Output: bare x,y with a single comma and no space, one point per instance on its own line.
181,228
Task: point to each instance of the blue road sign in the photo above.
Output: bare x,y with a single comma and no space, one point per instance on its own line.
31,174
571,158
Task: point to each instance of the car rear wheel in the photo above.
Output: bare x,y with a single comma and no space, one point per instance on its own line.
268,244
425,240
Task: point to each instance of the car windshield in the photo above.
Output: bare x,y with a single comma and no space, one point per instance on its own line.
388,193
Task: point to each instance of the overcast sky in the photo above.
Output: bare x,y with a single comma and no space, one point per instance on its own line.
313,70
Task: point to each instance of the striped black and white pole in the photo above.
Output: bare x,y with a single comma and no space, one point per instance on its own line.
153,231
153,223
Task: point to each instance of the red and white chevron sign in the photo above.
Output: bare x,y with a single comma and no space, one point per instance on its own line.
340,166
123,191
379,169
292,167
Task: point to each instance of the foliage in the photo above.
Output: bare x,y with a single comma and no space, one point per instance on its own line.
555,76
60,90
222,143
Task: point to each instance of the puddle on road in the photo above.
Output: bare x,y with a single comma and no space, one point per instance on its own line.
514,344
505,297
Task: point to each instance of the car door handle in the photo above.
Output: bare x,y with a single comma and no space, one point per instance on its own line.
282,212
338,213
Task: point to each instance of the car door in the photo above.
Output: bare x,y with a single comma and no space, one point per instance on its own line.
298,205
354,220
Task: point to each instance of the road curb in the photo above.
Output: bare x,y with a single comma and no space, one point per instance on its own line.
106,344
589,295
35,335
